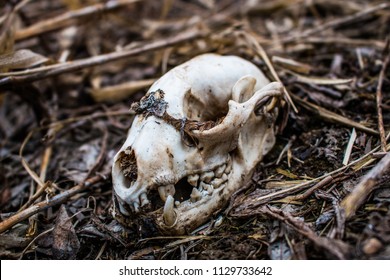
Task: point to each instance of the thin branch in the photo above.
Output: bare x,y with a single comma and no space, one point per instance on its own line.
369,182
29,76
337,22
69,18
379,98
40,206
333,117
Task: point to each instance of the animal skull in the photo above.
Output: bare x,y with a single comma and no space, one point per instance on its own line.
198,134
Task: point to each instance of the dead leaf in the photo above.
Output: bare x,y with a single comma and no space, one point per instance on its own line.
65,241
21,59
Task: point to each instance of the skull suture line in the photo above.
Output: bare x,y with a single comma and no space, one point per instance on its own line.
198,134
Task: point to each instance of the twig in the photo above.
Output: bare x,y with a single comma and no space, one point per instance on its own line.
256,202
29,76
333,117
40,206
379,97
324,182
360,193
32,241
69,18
336,247
337,22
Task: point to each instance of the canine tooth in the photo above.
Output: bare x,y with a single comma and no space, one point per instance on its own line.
136,207
143,199
164,191
207,176
195,195
193,180
169,214
123,210
219,171
177,203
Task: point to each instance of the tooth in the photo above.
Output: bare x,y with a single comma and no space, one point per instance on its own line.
136,207
143,199
177,203
224,177
193,180
169,214
228,166
209,189
202,186
207,176
220,170
195,195
217,182
165,191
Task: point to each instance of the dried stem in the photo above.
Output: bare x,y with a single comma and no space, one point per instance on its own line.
335,247
29,76
337,22
40,206
379,98
69,18
333,117
360,193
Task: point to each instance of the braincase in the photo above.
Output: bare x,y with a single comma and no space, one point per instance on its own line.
212,79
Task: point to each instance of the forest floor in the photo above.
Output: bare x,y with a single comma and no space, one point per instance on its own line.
70,70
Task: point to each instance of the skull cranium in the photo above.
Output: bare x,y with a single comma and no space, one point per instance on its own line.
197,136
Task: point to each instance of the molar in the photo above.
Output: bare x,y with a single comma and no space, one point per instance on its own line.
219,171
209,189
217,182
207,176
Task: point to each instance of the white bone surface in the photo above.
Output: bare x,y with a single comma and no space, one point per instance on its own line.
204,88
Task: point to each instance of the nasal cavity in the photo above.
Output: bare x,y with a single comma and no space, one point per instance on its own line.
128,164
